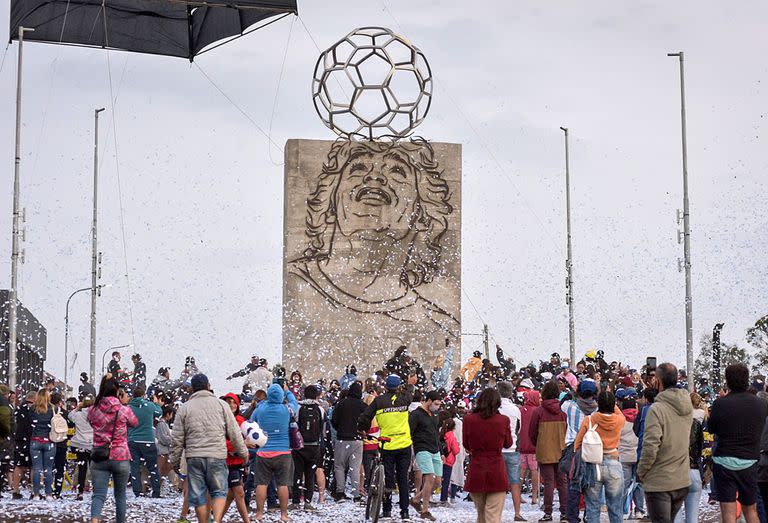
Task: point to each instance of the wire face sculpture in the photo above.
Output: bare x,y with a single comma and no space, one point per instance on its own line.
372,84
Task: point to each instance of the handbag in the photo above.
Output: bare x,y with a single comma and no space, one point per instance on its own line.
101,453
295,439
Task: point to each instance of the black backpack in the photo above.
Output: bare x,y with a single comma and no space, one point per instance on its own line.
310,422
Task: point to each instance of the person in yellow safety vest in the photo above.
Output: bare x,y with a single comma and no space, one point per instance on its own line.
472,366
391,413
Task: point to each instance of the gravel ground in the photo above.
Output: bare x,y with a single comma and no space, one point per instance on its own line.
166,510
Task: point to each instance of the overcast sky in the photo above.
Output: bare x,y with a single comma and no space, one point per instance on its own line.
202,189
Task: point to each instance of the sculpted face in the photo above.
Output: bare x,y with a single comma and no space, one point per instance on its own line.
377,196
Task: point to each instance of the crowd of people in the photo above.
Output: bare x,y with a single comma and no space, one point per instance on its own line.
604,437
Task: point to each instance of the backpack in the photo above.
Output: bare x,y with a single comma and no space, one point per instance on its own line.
592,445
59,428
310,422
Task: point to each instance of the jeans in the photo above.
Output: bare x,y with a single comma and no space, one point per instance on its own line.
42,462
100,474
691,500
512,462
147,453
663,506
445,486
553,478
206,477
396,464
630,473
574,500
612,478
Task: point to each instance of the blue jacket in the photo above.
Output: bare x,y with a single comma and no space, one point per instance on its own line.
640,432
441,377
273,417
145,412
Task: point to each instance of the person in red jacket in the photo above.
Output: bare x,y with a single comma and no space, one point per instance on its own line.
547,431
236,465
450,451
526,446
485,432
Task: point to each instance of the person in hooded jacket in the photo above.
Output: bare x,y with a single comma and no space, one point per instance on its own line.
141,442
235,464
473,365
663,468
547,432
274,459
526,445
110,420
348,451
628,457
609,422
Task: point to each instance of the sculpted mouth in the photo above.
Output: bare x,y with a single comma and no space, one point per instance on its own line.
373,196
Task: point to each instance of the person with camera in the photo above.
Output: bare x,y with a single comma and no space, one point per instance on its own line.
274,459
110,456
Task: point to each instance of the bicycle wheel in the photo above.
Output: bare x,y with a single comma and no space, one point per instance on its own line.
375,494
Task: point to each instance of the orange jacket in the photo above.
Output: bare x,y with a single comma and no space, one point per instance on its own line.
608,426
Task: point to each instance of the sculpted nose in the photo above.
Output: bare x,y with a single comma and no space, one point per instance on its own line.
376,175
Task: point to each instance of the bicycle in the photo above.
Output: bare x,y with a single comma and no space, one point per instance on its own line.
375,484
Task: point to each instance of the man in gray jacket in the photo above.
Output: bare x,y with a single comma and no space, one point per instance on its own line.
663,468
203,425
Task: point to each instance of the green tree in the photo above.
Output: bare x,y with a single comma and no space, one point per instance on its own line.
729,353
757,336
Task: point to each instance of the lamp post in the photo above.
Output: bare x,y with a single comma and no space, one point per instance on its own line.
12,298
94,253
103,370
569,260
66,335
686,229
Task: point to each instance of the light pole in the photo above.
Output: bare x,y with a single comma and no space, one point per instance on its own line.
103,371
94,253
66,334
686,229
12,298
569,260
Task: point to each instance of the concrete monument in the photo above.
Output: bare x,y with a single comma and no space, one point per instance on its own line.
372,222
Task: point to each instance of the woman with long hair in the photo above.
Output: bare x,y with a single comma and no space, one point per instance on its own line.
41,450
110,457
449,451
485,433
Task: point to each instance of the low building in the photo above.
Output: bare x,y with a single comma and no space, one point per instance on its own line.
31,337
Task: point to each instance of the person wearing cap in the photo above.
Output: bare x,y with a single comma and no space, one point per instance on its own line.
472,367
203,425
582,405
569,377
250,367
391,412
139,374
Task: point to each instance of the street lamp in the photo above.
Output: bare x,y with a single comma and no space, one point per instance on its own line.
66,333
66,330
109,349
686,228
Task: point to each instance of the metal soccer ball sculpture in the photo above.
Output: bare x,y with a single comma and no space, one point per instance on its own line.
372,84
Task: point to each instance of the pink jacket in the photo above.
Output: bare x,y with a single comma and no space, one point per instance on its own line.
572,380
102,419
453,448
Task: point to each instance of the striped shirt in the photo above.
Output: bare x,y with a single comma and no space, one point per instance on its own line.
575,416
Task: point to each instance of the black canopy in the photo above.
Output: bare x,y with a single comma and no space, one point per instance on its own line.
165,27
